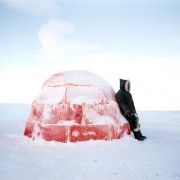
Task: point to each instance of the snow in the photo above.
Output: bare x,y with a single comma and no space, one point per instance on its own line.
51,95
83,94
157,158
103,120
78,83
79,96
79,77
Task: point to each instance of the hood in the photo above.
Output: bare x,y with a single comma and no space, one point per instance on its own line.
125,85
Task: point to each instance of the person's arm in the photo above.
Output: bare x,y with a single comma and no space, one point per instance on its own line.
122,104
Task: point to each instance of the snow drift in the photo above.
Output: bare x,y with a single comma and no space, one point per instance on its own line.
76,106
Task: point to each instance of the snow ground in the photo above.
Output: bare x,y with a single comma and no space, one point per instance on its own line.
156,158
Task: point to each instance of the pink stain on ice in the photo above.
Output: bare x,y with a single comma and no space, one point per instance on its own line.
75,106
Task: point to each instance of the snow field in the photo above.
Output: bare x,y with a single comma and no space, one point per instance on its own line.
156,158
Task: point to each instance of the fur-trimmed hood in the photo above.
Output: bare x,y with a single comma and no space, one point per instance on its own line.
125,85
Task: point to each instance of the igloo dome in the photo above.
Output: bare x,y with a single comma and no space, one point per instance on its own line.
76,106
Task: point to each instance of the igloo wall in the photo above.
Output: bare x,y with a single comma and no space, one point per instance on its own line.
76,106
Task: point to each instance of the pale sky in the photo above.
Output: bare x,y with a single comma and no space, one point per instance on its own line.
136,40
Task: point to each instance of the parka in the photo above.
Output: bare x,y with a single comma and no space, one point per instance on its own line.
124,98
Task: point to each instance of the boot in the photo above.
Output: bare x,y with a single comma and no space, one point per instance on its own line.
138,135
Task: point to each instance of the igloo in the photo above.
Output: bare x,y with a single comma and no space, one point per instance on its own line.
76,106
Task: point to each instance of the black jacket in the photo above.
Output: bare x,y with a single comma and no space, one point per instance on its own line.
124,98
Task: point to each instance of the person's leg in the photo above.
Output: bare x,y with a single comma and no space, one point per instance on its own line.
135,126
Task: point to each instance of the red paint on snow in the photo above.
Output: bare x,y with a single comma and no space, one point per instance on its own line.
74,133
70,109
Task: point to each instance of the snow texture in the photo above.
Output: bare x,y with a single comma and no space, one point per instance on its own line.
82,78
81,88
157,158
81,97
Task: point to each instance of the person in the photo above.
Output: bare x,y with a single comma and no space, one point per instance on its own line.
127,108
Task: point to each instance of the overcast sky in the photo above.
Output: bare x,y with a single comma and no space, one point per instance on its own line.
136,40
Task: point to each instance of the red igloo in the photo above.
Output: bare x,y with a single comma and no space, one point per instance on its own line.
76,106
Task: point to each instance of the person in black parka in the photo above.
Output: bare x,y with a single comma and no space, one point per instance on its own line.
127,108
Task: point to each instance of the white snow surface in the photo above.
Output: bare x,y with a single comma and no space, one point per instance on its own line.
156,158
77,77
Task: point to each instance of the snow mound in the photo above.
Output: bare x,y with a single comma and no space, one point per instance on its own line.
75,106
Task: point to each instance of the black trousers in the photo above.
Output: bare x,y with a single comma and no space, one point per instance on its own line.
133,122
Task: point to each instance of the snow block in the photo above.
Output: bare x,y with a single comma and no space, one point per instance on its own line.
29,129
76,106
97,132
88,132
55,133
